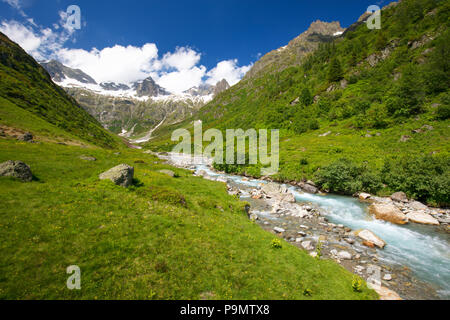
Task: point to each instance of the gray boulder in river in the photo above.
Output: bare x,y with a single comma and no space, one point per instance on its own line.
16,169
308,187
122,175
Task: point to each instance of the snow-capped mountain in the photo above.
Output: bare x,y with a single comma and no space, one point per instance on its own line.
112,86
60,72
149,88
142,90
131,110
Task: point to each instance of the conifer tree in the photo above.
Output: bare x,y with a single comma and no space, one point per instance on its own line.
335,71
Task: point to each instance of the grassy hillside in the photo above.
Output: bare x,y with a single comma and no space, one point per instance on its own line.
163,238
381,97
26,85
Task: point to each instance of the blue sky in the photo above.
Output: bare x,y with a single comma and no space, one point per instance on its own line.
237,31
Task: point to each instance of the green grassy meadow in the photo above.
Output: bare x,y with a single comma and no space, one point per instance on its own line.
162,238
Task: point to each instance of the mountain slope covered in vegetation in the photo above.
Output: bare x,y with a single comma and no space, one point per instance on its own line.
25,84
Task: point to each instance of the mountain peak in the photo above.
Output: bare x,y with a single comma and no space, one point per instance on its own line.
201,90
60,72
298,48
221,86
148,87
324,28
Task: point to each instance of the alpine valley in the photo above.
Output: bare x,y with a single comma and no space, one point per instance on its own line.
359,209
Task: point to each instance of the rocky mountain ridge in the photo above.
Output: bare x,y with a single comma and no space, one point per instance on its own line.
149,88
59,72
294,52
68,77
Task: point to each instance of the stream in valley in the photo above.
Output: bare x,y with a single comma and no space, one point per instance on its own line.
423,250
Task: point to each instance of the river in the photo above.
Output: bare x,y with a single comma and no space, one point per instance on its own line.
422,249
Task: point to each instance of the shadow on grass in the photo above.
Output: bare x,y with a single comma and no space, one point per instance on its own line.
36,179
138,183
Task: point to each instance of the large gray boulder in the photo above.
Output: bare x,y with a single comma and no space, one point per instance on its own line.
16,169
388,212
416,205
370,237
422,218
275,191
271,189
122,175
306,187
399,197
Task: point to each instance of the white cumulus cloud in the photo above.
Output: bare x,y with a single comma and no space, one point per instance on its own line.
118,63
182,59
37,41
228,70
176,71
182,80
22,35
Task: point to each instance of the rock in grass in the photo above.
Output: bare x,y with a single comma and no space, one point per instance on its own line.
122,175
87,158
388,212
16,169
422,218
27,137
170,173
404,138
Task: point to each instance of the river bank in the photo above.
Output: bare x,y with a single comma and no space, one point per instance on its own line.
328,226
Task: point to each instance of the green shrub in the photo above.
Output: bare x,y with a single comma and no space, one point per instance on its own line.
344,177
357,284
335,72
437,70
319,250
408,93
425,178
306,98
314,124
276,244
377,116
307,292
443,112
